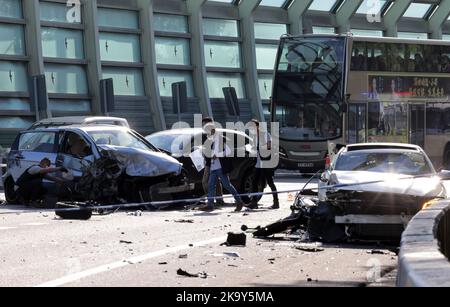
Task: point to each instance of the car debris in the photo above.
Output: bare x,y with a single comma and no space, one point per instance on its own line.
125,242
184,221
309,247
236,239
73,212
203,275
227,254
183,256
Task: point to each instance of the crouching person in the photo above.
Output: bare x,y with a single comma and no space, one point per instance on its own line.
216,152
30,183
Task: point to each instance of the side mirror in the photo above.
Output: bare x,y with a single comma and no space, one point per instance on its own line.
444,174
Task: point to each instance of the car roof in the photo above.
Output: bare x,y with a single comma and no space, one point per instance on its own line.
79,119
374,146
192,131
81,128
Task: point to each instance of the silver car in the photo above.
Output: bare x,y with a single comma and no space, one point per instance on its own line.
112,163
369,185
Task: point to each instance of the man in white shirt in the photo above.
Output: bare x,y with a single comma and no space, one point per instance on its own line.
220,167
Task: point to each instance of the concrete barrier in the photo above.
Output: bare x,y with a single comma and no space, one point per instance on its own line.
422,262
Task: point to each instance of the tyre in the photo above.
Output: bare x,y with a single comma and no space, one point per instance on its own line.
11,196
246,186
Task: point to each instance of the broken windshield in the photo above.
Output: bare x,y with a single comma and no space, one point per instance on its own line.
406,163
119,138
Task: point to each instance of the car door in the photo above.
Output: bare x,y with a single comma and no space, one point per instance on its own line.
32,148
74,162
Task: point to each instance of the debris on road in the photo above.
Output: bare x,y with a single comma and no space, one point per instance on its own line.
73,212
187,274
184,221
163,263
377,252
183,256
236,239
125,242
227,254
310,247
136,213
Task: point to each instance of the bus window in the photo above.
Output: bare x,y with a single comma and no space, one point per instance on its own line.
376,57
396,57
433,56
359,56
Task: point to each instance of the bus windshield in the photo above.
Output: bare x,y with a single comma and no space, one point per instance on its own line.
308,89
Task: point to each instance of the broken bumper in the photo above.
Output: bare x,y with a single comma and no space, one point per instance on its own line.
175,190
373,219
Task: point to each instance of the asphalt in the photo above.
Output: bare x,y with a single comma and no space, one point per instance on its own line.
129,249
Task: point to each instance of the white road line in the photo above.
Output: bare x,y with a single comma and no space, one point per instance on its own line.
115,265
34,224
7,228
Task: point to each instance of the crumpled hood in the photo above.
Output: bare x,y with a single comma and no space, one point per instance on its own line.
391,183
144,163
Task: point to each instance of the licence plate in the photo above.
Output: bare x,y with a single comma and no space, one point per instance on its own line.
306,165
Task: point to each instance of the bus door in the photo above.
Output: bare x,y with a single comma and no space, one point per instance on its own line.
417,124
357,119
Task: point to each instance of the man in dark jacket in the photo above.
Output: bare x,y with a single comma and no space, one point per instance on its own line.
216,151
30,183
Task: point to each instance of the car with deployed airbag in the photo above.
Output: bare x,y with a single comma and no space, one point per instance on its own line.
106,164
375,189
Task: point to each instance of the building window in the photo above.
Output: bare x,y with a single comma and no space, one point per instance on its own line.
120,47
172,51
56,12
220,27
217,81
11,9
266,56
65,79
167,77
127,81
265,86
222,54
114,18
62,43
323,30
13,76
170,23
12,39
62,106
270,30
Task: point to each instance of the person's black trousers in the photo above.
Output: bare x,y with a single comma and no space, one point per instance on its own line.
32,190
261,174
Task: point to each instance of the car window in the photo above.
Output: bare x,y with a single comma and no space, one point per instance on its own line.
173,143
75,145
407,163
119,138
38,142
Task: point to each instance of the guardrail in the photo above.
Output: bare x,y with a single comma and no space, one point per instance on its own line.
425,244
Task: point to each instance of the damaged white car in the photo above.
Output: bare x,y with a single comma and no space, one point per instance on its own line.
106,164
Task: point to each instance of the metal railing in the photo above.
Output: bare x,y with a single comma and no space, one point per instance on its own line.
443,233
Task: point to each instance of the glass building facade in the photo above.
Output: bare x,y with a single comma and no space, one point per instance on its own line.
145,46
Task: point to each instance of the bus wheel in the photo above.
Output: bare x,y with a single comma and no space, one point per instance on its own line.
447,158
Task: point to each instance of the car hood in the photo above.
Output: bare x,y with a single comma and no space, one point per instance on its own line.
144,163
389,183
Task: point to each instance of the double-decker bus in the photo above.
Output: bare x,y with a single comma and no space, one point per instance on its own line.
343,89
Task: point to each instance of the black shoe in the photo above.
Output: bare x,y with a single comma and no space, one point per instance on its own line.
274,207
253,206
206,208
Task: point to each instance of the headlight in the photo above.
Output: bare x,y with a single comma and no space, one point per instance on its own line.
430,203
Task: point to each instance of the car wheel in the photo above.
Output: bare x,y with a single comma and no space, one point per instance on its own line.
246,187
10,194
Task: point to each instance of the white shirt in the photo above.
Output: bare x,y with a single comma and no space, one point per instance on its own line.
215,164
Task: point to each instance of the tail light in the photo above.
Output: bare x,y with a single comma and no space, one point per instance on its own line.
327,162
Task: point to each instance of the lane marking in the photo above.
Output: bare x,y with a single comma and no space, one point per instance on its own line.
7,228
34,224
119,264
